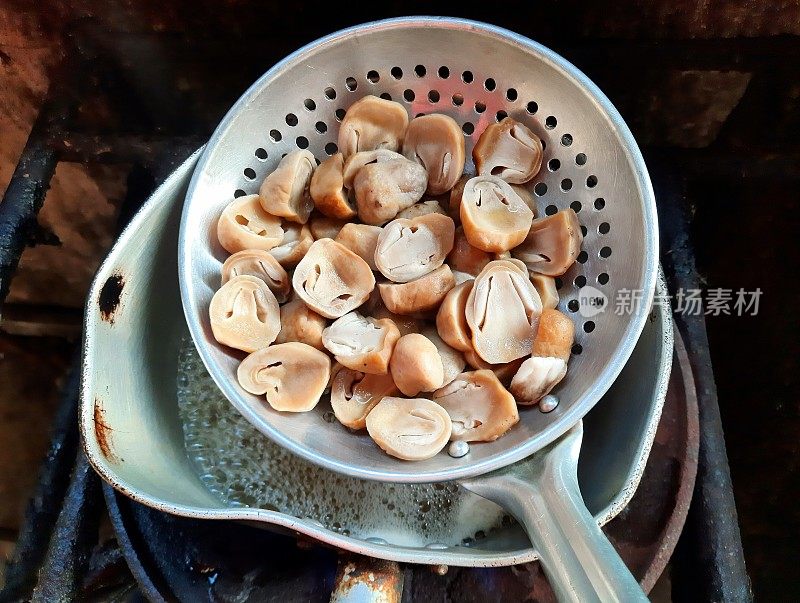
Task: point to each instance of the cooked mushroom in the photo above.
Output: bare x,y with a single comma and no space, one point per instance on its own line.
296,242
260,264
323,227
526,196
553,243
292,375
412,430
508,150
436,141
466,258
384,189
409,249
328,191
452,360
493,215
405,324
547,365
361,239
354,394
480,408
284,192
332,280
245,225
503,312
416,365
361,343
301,323
245,314
454,204
431,206
355,162
546,288
421,295
504,372
372,123
451,321
462,277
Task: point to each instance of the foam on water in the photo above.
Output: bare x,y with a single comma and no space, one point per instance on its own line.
243,467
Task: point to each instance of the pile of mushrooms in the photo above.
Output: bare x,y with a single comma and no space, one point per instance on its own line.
420,300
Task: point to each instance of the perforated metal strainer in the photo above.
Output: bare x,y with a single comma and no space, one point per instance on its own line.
477,74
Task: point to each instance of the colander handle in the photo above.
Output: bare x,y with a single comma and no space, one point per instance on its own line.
542,493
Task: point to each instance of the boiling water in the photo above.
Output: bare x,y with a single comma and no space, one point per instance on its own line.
243,467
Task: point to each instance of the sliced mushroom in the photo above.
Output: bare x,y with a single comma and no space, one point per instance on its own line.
362,343
503,312
296,242
245,314
361,239
436,141
405,324
504,372
451,321
452,360
372,123
546,288
412,430
292,375
431,206
301,323
466,258
260,264
323,227
555,335
328,191
493,215
480,408
332,280
416,365
508,150
553,243
355,162
421,295
384,189
284,192
409,249
245,225
354,394
526,196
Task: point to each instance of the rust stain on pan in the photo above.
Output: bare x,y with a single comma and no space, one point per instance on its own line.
358,576
110,296
102,432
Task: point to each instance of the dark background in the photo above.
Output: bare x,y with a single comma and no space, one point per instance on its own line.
710,89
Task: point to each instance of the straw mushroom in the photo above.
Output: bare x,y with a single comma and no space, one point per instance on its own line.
296,242
480,408
354,394
284,192
421,295
383,189
503,312
355,162
361,239
436,142
494,217
451,321
372,123
412,430
466,258
416,365
540,373
292,375
409,249
328,191
323,227
245,225
431,206
504,371
301,323
552,244
546,288
509,150
332,280
245,314
452,360
405,324
260,264
361,343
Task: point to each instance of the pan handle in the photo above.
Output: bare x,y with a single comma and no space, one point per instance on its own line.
542,493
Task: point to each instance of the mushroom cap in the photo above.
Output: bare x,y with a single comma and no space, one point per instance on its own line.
409,429
260,264
416,365
293,375
244,314
244,224
361,239
509,150
355,162
372,123
555,335
494,217
503,312
328,191
451,320
354,394
284,192
552,244
504,372
436,142
301,323
431,206
546,288
409,249
323,227
297,240
332,280
361,343
384,189
536,378
421,295
480,408
466,258
453,362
